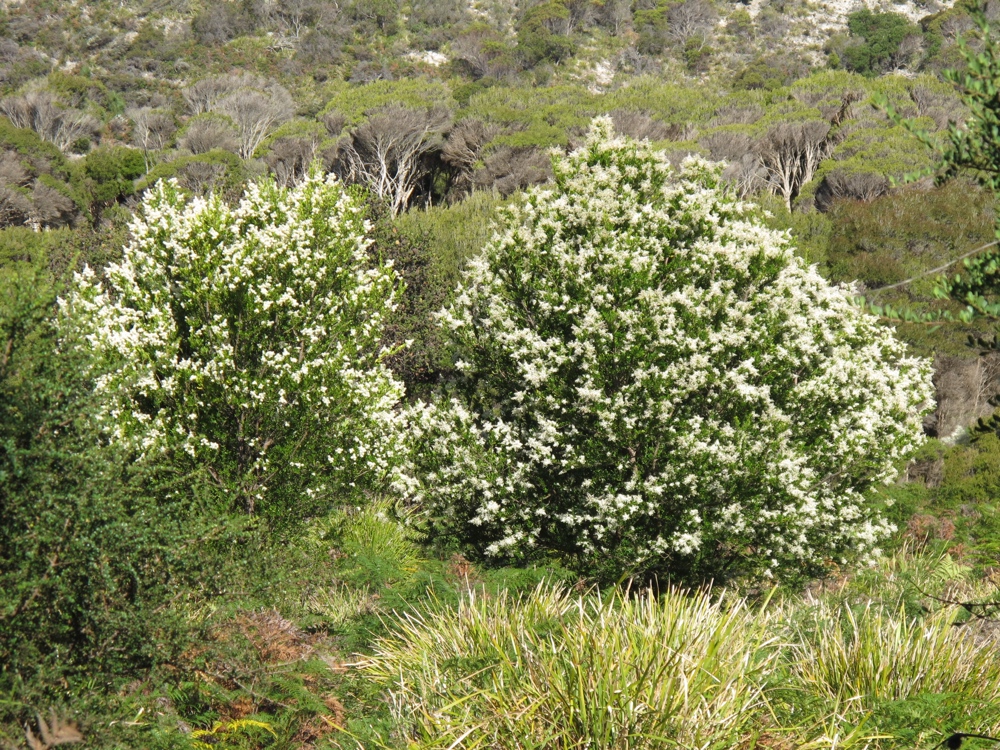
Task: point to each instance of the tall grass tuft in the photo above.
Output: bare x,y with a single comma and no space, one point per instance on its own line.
560,671
872,655
376,530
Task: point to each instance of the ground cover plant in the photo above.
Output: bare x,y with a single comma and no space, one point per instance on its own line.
555,669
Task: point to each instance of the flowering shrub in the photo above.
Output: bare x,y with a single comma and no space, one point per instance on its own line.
653,382
246,339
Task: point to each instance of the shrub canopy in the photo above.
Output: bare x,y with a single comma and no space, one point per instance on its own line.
246,340
653,382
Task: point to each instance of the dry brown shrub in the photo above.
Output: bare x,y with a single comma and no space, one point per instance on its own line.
639,125
925,527
275,638
463,572
338,714
206,134
58,731
512,168
240,708
317,727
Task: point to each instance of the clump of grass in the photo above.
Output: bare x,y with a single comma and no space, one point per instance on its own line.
377,530
878,655
340,603
885,651
557,670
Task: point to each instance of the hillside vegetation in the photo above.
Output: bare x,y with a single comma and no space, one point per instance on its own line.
493,374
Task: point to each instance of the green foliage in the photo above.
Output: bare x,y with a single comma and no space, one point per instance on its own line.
306,128
538,39
759,74
218,170
869,150
697,54
902,235
880,36
112,171
907,679
78,91
417,261
651,24
54,251
74,594
973,147
673,103
810,230
877,150
954,503
375,537
939,29
375,15
541,117
354,102
43,156
533,117
898,235
552,669
455,233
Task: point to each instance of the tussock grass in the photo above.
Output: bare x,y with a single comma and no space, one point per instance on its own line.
376,530
560,670
876,655
557,670
339,603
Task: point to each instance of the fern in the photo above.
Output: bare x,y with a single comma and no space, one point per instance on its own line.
223,731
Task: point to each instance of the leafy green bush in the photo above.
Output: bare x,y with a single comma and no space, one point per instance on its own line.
112,171
353,102
534,116
78,91
643,388
28,143
880,35
651,24
537,41
760,74
89,546
899,235
218,171
417,365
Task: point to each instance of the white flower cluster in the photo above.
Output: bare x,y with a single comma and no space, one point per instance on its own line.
649,377
248,338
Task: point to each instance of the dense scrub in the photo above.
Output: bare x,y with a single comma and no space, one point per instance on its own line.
139,584
222,560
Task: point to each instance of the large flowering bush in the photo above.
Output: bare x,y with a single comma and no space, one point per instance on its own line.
652,382
246,339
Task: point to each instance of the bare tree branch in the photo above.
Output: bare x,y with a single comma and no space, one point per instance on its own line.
388,151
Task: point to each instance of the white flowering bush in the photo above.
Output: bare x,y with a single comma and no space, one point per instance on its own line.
652,382
246,340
